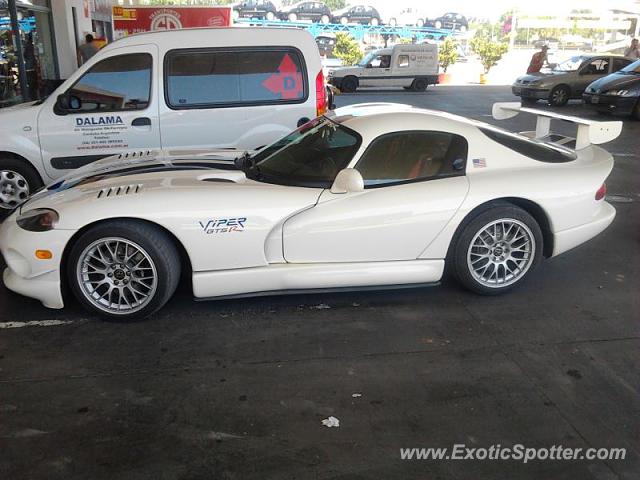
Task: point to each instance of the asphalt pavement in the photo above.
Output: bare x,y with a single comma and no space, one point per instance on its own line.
238,389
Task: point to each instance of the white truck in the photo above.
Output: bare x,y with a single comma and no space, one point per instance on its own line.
413,67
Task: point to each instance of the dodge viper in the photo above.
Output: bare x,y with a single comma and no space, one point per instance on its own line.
369,196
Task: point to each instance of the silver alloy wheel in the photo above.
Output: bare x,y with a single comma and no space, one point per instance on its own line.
14,189
117,276
559,96
501,253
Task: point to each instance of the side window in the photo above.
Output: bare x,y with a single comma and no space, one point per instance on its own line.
115,84
214,78
412,156
403,61
619,64
596,67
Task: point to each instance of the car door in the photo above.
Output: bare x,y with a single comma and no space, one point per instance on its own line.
414,183
378,72
591,71
111,108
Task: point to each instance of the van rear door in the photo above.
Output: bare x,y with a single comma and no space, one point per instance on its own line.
108,108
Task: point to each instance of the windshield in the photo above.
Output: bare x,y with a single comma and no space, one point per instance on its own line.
311,156
632,68
367,59
570,65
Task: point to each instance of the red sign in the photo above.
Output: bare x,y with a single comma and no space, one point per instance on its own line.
287,82
129,20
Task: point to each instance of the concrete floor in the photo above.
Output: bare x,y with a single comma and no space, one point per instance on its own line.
238,389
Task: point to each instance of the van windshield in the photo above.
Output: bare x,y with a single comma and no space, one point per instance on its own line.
367,59
311,156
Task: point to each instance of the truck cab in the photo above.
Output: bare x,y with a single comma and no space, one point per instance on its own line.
410,66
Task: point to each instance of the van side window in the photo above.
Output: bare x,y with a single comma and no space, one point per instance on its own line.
412,156
403,61
115,84
207,78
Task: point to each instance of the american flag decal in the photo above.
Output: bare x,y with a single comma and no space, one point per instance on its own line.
479,163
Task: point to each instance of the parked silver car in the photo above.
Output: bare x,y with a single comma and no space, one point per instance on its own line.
568,79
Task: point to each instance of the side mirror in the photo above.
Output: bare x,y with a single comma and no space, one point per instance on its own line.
67,102
368,65
348,180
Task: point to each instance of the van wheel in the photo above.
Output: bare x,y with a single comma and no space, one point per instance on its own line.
419,85
18,180
349,85
123,269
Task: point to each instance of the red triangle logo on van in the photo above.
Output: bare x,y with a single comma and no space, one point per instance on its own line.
287,82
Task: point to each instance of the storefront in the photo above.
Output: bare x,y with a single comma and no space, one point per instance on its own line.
28,66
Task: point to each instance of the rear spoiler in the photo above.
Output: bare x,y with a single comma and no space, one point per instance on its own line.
590,132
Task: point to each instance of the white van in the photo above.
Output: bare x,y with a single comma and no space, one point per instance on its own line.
410,66
197,89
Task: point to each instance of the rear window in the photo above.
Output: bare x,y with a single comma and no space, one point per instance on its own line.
543,152
208,78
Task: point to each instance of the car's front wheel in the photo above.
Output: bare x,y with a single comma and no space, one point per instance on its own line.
18,180
497,250
559,96
292,17
270,16
324,19
123,269
349,84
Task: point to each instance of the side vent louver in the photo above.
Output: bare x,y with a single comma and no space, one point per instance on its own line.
119,191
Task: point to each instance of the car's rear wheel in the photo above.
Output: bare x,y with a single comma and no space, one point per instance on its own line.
374,22
325,19
393,22
438,24
18,180
559,96
497,250
419,85
270,16
292,17
344,20
235,14
123,269
420,23
349,84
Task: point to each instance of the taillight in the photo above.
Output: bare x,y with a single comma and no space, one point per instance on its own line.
602,191
321,95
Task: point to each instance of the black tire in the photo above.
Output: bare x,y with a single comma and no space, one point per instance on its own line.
419,85
636,111
29,175
559,96
155,243
349,84
461,252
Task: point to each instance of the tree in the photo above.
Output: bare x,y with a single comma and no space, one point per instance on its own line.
347,49
447,54
489,52
335,4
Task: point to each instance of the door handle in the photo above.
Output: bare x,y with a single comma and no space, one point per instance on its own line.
141,122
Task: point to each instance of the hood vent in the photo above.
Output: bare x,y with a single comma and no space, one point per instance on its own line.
137,154
120,191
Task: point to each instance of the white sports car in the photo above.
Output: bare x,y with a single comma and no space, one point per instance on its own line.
371,196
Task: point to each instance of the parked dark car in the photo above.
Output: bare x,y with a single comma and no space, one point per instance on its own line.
451,21
616,93
326,43
364,14
314,11
262,9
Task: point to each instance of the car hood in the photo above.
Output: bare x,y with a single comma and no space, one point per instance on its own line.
531,77
127,174
615,81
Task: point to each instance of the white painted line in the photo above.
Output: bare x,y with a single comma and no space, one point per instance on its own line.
35,323
624,155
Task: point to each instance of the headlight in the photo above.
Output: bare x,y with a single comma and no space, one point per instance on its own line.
38,220
619,93
536,83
